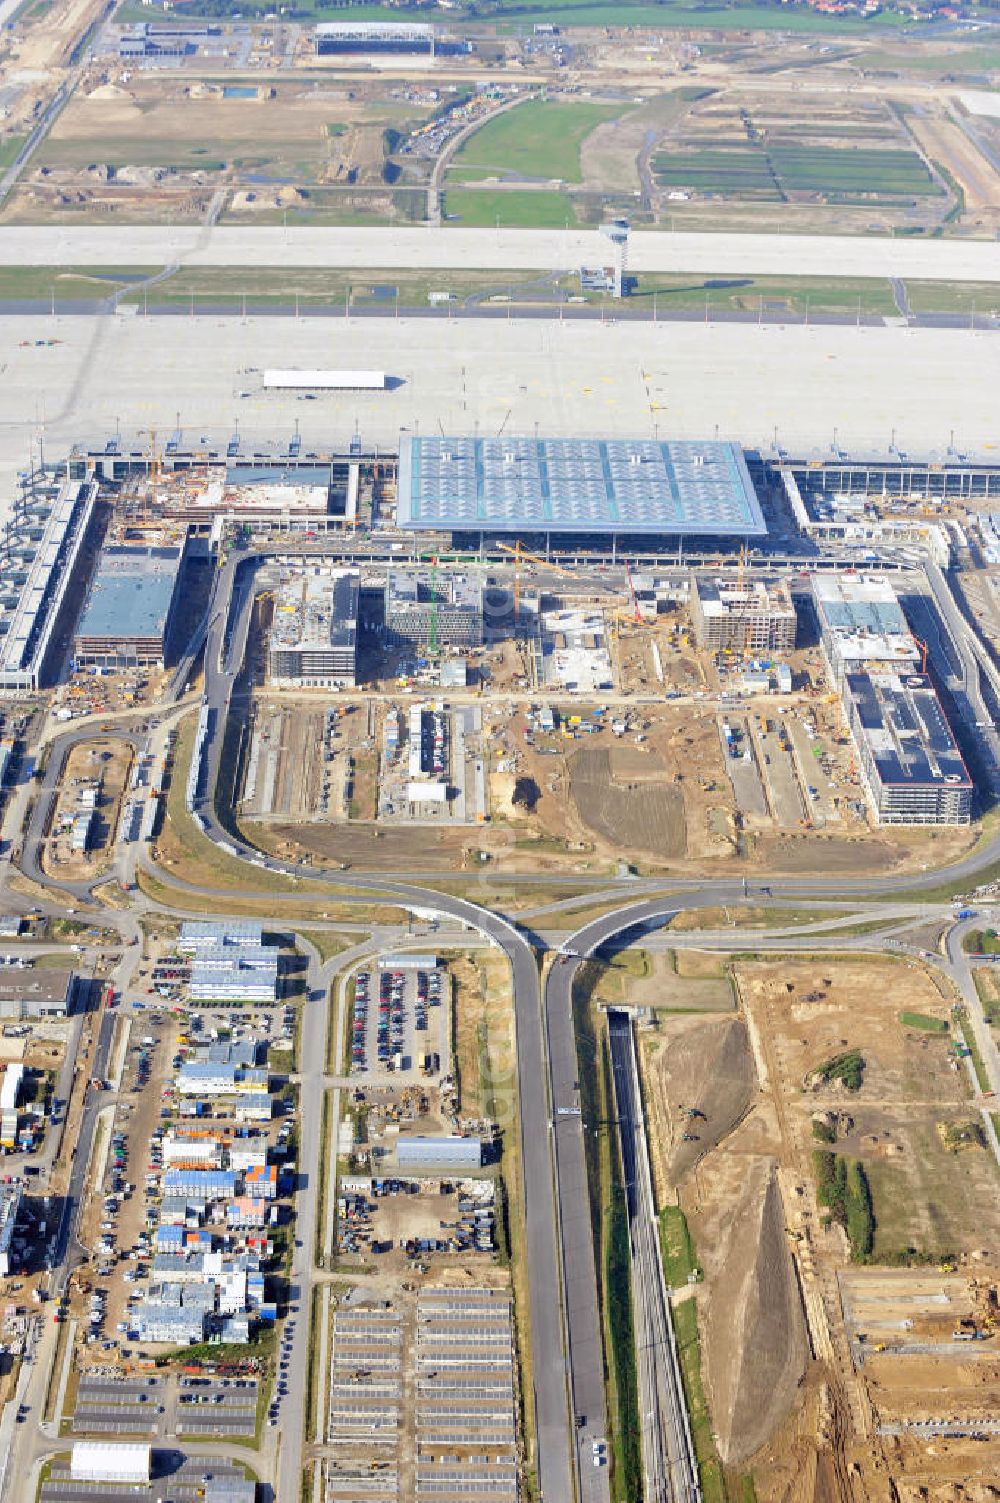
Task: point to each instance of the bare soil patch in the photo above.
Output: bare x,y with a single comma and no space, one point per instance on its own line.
755,1334
631,816
703,1074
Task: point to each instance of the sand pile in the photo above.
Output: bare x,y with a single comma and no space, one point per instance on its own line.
756,1347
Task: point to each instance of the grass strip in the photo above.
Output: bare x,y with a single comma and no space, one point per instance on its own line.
626,1475
970,1042
924,1022
676,1247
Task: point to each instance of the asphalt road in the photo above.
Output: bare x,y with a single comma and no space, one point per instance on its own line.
640,309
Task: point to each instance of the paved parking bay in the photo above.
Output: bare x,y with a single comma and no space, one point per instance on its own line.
103,1406
215,1408
399,1016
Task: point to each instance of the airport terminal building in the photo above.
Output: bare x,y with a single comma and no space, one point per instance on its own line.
584,487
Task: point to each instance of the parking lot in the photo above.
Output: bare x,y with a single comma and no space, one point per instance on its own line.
401,1022
131,1406
415,1218
216,1406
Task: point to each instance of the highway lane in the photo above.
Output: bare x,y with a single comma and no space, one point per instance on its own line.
670,1470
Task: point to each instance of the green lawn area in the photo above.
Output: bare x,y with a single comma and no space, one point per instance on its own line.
981,942
537,139
511,15
475,208
676,1248
923,1022
9,148
953,297
78,282
793,294
721,18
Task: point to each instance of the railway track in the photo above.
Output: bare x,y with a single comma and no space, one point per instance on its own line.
670,1471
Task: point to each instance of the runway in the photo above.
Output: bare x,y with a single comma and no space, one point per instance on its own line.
444,248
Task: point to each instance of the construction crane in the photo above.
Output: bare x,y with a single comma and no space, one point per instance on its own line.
637,616
432,629
517,553
923,654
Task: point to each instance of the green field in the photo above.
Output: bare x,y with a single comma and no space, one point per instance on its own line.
38,283
516,15
474,208
536,139
9,148
830,171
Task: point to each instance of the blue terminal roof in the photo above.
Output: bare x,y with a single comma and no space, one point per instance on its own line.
576,485
131,593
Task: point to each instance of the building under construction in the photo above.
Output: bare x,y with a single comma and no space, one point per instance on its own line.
428,612
130,608
732,615
314,633
862,626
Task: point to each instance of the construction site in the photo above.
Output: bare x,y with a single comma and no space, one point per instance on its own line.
756,1093
562,722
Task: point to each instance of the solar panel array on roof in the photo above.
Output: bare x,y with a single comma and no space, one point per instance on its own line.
576,485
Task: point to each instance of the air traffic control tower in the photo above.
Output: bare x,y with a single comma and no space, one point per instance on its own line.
616,231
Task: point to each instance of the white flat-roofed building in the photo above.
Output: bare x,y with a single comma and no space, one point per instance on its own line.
180,1152
39,551
196,936
316,380
110,1461
10,1088
373,36
439,1153
253,1106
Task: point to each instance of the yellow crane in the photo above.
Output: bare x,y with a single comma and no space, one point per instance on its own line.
517,553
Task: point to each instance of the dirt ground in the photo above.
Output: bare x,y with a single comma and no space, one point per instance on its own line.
147,141
628,812
107,761
484,1037
794,1394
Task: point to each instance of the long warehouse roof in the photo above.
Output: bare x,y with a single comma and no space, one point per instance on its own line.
315,380
577,485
